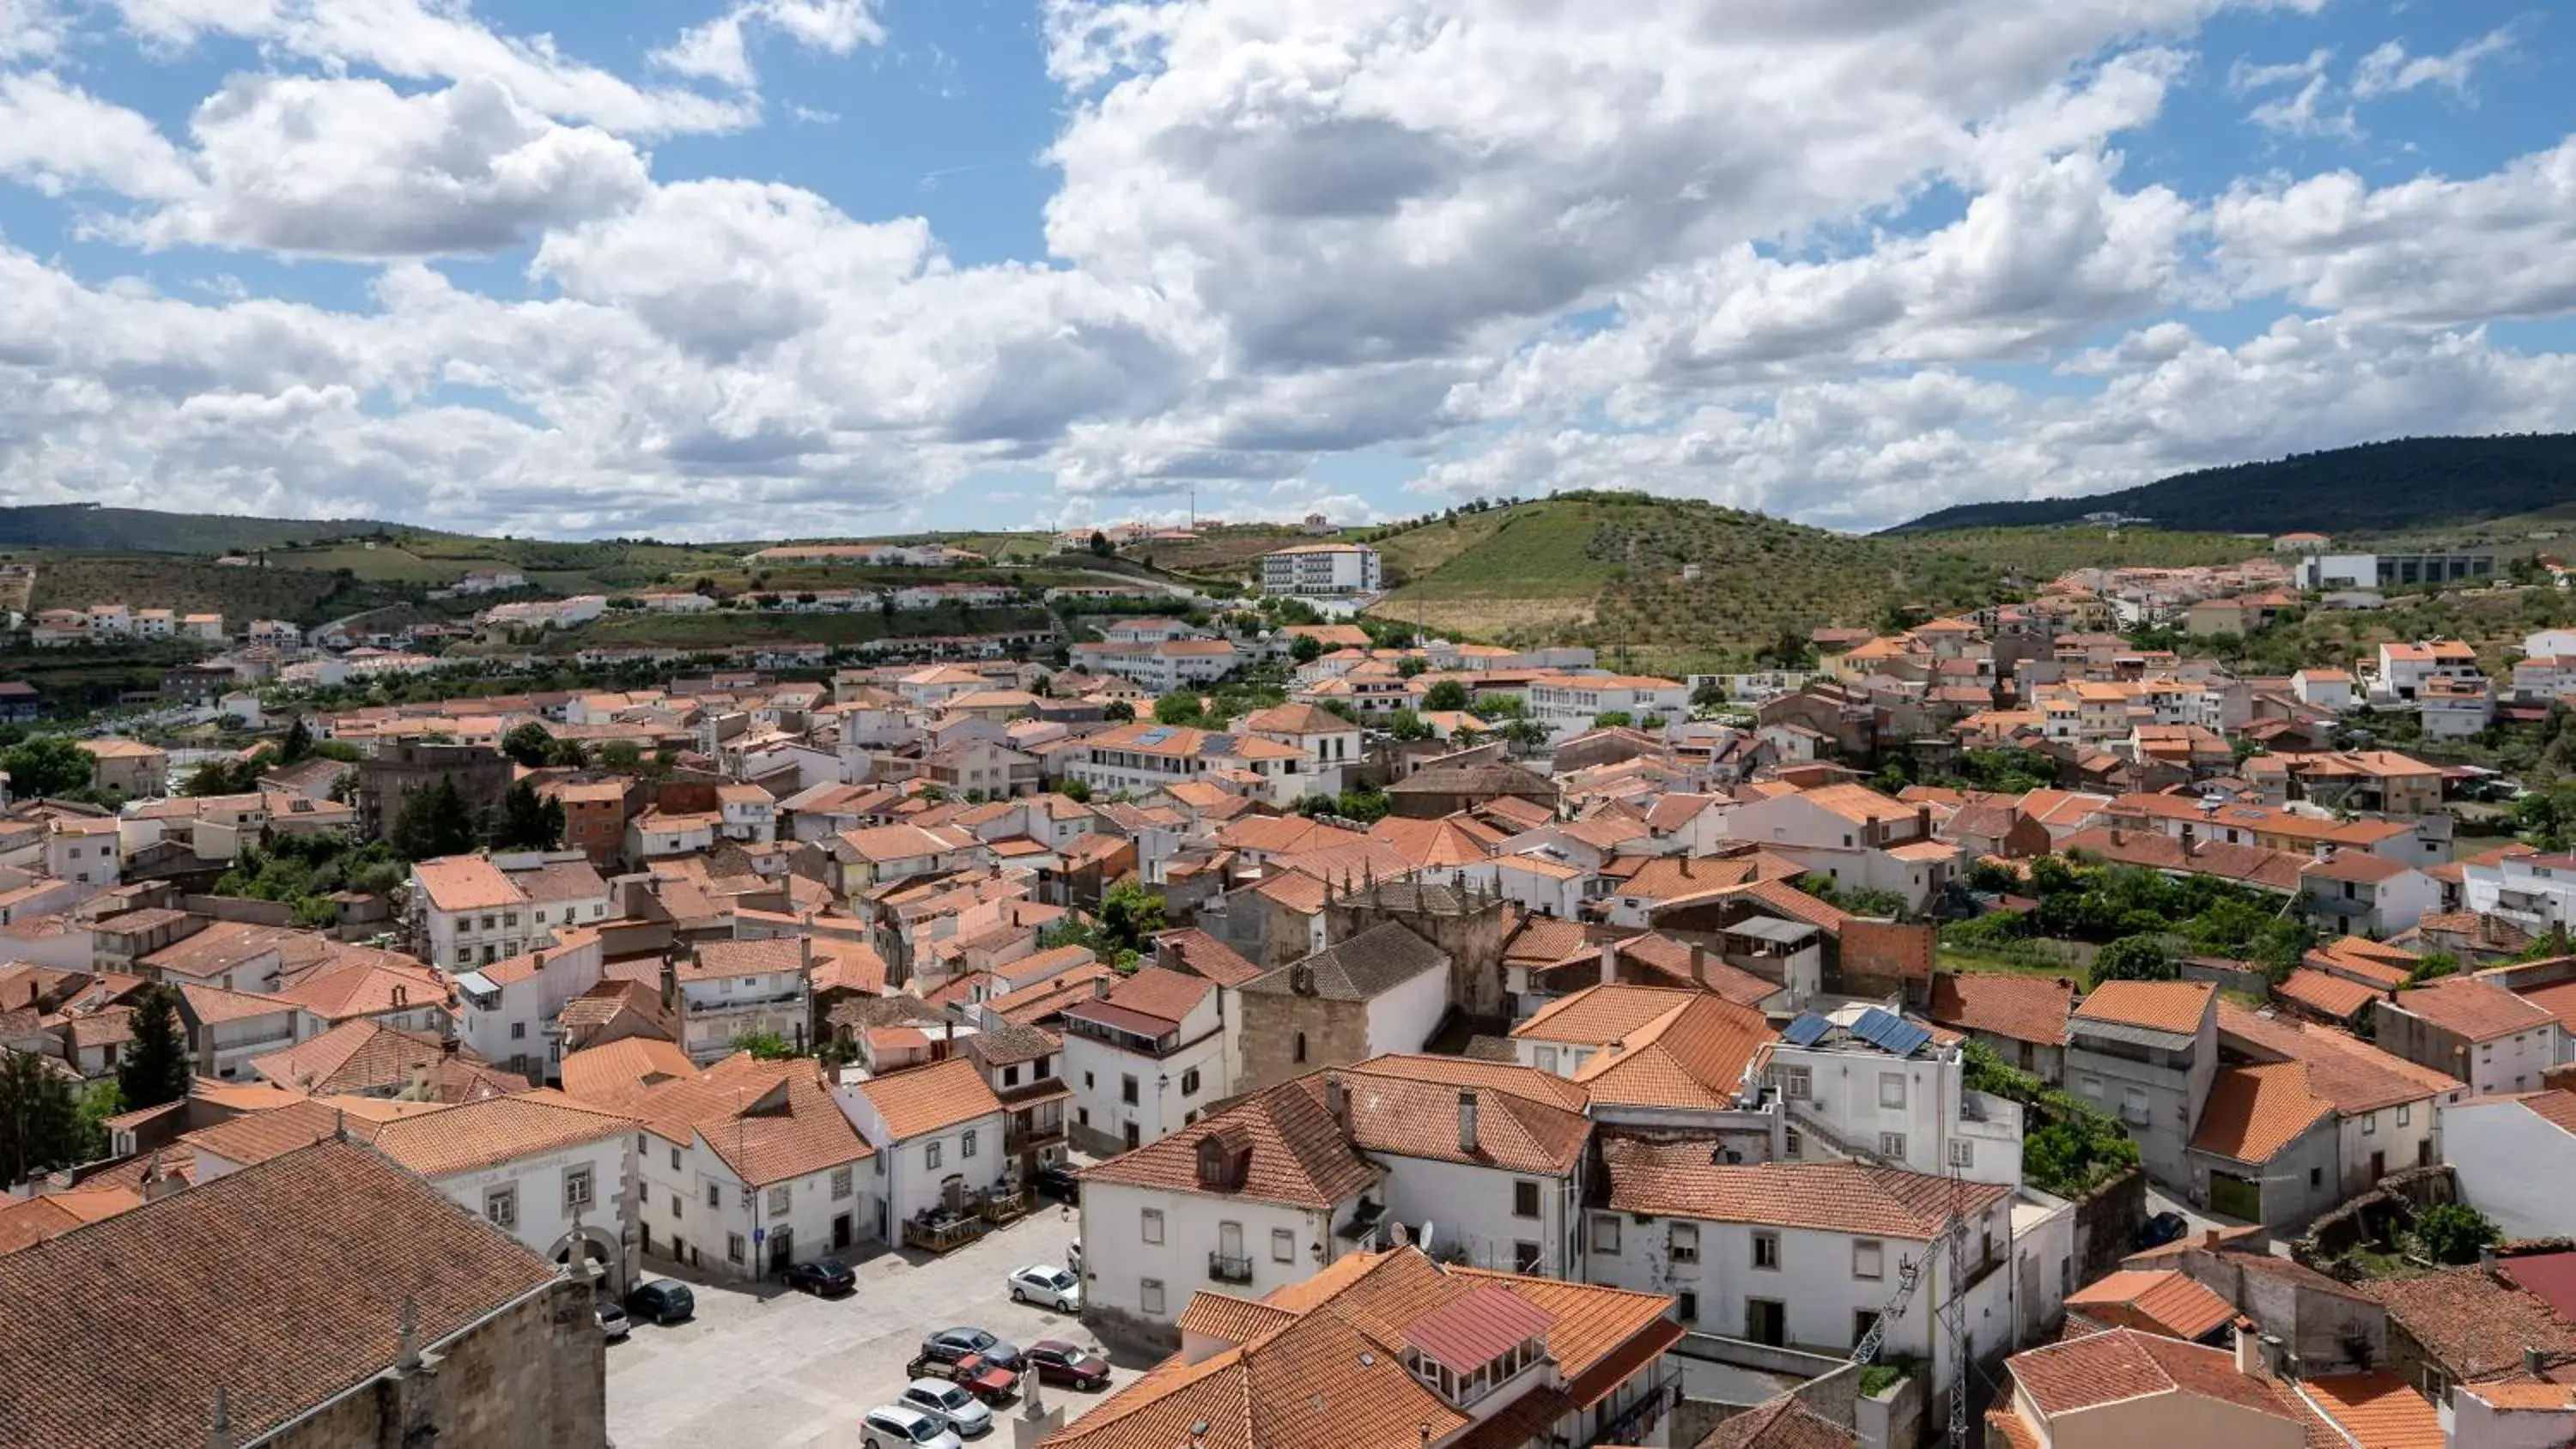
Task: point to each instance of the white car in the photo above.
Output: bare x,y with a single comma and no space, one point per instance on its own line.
1053,1287
895,1427
939,1399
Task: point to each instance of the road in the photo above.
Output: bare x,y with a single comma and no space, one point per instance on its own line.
779,1368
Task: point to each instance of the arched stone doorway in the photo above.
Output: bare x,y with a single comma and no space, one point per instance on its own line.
600,1261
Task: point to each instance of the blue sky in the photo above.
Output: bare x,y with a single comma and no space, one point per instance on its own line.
774,267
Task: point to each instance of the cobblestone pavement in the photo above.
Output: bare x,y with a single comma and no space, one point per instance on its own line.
774,1367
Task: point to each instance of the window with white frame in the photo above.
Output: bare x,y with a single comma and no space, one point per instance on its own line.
966,1144
1605,1233
1150,1296
843,1183
1891,1144
501,1207
930,1155
1766,1250
1868,1258
1283,1246
778,1199
1963,1153
2404,1114
1153,1223
733,1247
577,1189
1681,1242
1797,1084
1891,1089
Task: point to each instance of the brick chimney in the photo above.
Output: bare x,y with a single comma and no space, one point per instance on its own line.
1467,1120
1609,962
1699,963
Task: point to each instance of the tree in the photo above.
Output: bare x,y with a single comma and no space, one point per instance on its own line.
1410,667
2453,1232
1406,725
1130,916
529,744
222,777
46,765
2135,958
1100,545
767,1046
156,1068
1448,694
528,821
1306,649
298,744
1613,719
40,1126
1709,695
1077,791
435,821
1180,707
1527,736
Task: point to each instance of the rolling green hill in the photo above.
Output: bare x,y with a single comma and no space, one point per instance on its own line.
1608,568
143,530
2373,488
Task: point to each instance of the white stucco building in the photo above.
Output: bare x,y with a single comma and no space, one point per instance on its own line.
2515,1157
1146,1059
938,1132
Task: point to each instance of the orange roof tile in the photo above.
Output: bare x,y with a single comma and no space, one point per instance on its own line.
2173,1006
2378,1410
2159,1301
922,1100
2254,1112
1677,1179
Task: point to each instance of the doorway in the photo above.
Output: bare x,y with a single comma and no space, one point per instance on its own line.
1766,1320
841,1232
2378,1165
2235,1197
782,1250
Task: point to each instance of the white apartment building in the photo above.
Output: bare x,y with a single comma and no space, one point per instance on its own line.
749,813
2535,892
1327,570
558,1175
2515,1157
2405,669
1331,743
1144,757
748,1168
1866,1084
477,909
1805,1255
1568,703
506,1012
1161,667
939,1134
1147,1059
1855,835
732,989
2474,1030
1483,1159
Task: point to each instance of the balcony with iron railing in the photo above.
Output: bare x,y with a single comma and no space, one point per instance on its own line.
1229,1268
1636,1423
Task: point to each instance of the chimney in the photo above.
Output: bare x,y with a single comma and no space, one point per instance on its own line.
1609,962
1699,963
2325,850
1467,1120
2487,1259
1337,1100
2533,1361
2190,839
2249,1352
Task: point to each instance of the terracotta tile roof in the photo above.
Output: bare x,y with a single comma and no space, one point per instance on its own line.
2557,1107
768,1121
1783,1423
2476,1010
1360,968
220,947
2158,1301
358,1056
1486,1076
611,1074
922,1100
466,883
2471,1324
2524,1395
1396,1114
1544,941
2020,1008
1692,1052
256,1137
2172,1006
211,1005
363,983
1677,1179
2122,1363
137,1289
2254,1112
2329,996
25,1224
1708,971
2377,1410
1164,994
1299,1156
1206,955
1048,999
1233,1320
2353,1074
480,1134
768,956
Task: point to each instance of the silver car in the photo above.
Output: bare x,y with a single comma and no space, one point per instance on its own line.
894,1426
949,1404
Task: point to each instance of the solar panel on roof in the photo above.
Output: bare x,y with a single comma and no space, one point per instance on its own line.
1153,737
1807,1030
1889,1033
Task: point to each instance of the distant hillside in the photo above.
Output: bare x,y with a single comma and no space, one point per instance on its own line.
1603,568
142,530
2373,488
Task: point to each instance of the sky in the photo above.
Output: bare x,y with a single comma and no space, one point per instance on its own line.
720,269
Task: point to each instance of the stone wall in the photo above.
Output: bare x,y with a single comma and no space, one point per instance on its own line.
2106,1224
1335,1033
1470,933
2372,1217
533,1378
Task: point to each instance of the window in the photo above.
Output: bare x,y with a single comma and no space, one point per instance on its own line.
1868,1258
1087,1082
2405,1113
930,1155
1010,1076
1797,1084
733,1247
675,1159
2090,1086
1153,1225
1605,1233
509,918
501,1207
1301,1046
2436,1383
1681,1242
842,1183
1891,1144
1190,1082
1863,1320
1686,1307
1766,1251
1545,1059
778,1200
1526,1258
2316,1177
1150,1297
1127,1090
518,1031
1792,1146
1524,1199
715,1196
2370,1124
1963,1153
1891,1089
675,1204
966,1147
1283,1246
577,1189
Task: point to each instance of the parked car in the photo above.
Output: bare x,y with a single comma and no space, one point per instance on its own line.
824,1278
2161,1229
989,1382
1053,1287
895,1426
613,1322
1055,1361
949,1345
1060,1181
950,1404
663,1301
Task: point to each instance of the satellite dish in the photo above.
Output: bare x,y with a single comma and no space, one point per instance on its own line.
1426,1235
1397,1235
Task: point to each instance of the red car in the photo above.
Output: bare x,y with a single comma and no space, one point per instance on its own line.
989,1382
1058,1362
